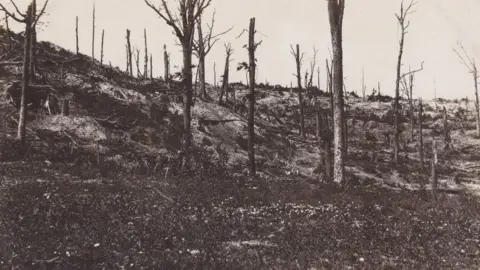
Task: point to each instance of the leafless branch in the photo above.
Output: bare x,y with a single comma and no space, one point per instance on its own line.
210,38
257,44
413,71
167,17
37,17
12,15
404,12
471,64
202,5
312,65
297,57
243,31
17,9
407,85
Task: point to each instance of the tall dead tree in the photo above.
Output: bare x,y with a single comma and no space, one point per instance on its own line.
407,85
137,61
127,69
326,136
145,68
318,77
420,133
435,94
335,13
401,17
379,93
8,35
250,67
166,63
446,129
330,85
184,28
76,34
407,80
151,67
129,53
226,73
434,177
30,19
202,47
93,35
364,87
298,61
252,47
101,47
33,47
312,68
472,68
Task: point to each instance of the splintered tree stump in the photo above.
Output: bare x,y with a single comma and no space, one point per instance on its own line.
65,107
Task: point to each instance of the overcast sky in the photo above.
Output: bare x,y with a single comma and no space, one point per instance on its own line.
370,38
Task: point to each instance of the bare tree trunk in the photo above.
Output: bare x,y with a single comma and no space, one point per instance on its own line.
130,62
195,95
251,107
33,46
330,86
201,59
318,123
76,35
345,139
166,62
137,60
298,59
226,74
477,106
25,76
151,67
201,76
101,47
335,11
420,133
9,37
397,103
412,114
126,57
327,138
446,132
187,99
379,93
435,94
318,77
364,88
345,90
434,178
145,69
93,35
33,58
328,160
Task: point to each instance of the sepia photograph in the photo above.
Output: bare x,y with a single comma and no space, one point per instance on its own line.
239,134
